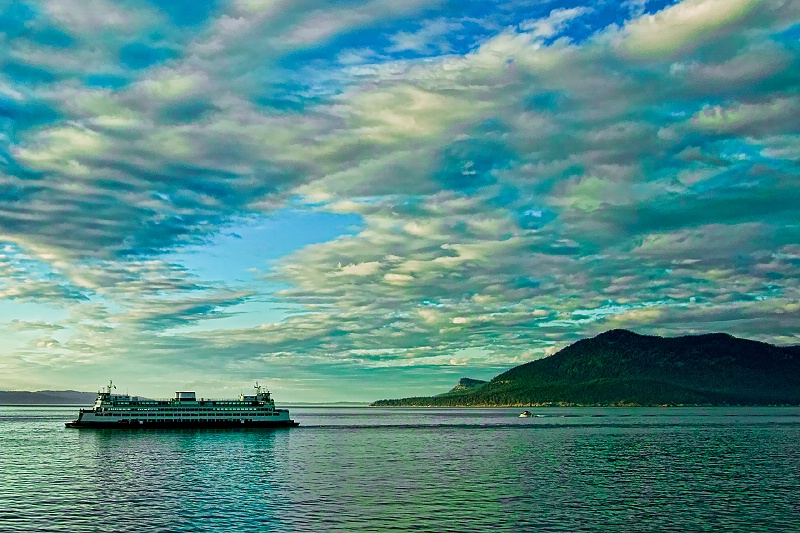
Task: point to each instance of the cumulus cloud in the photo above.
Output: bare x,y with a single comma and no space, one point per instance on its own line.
683,26
432,37
517,188
554,23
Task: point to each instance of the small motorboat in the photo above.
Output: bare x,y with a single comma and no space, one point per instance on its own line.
525,414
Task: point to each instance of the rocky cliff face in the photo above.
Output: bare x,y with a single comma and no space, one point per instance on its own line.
466,384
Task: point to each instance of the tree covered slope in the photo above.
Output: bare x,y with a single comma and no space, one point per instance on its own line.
620,367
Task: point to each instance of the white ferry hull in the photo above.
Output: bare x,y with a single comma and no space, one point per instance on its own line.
183,424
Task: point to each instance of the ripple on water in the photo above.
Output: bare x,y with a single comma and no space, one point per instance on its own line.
409,470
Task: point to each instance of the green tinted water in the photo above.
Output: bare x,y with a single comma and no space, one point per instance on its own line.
368,469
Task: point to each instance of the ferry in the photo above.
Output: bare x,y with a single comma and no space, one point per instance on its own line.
183,411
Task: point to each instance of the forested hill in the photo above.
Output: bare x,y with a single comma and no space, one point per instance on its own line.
620,367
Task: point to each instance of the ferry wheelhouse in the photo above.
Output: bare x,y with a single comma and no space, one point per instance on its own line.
184,410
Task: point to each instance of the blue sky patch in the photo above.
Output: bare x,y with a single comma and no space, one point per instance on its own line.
139,55
187,12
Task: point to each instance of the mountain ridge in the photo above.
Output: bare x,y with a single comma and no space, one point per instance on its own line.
620,367
47,397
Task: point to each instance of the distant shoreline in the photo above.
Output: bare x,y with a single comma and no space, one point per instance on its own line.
576,406
547,406
47,397
326,404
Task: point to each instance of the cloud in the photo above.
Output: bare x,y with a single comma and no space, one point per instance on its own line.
714,240
610,134
313,26
432,36
520,183
775,116
684,26
19,325
554,24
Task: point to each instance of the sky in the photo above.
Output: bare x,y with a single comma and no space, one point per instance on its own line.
364,199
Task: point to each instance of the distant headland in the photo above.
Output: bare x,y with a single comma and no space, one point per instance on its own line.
622,368
47,397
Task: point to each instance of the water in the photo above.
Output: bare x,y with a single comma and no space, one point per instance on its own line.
371,469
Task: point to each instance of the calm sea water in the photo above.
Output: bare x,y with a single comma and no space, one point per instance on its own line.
371,469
